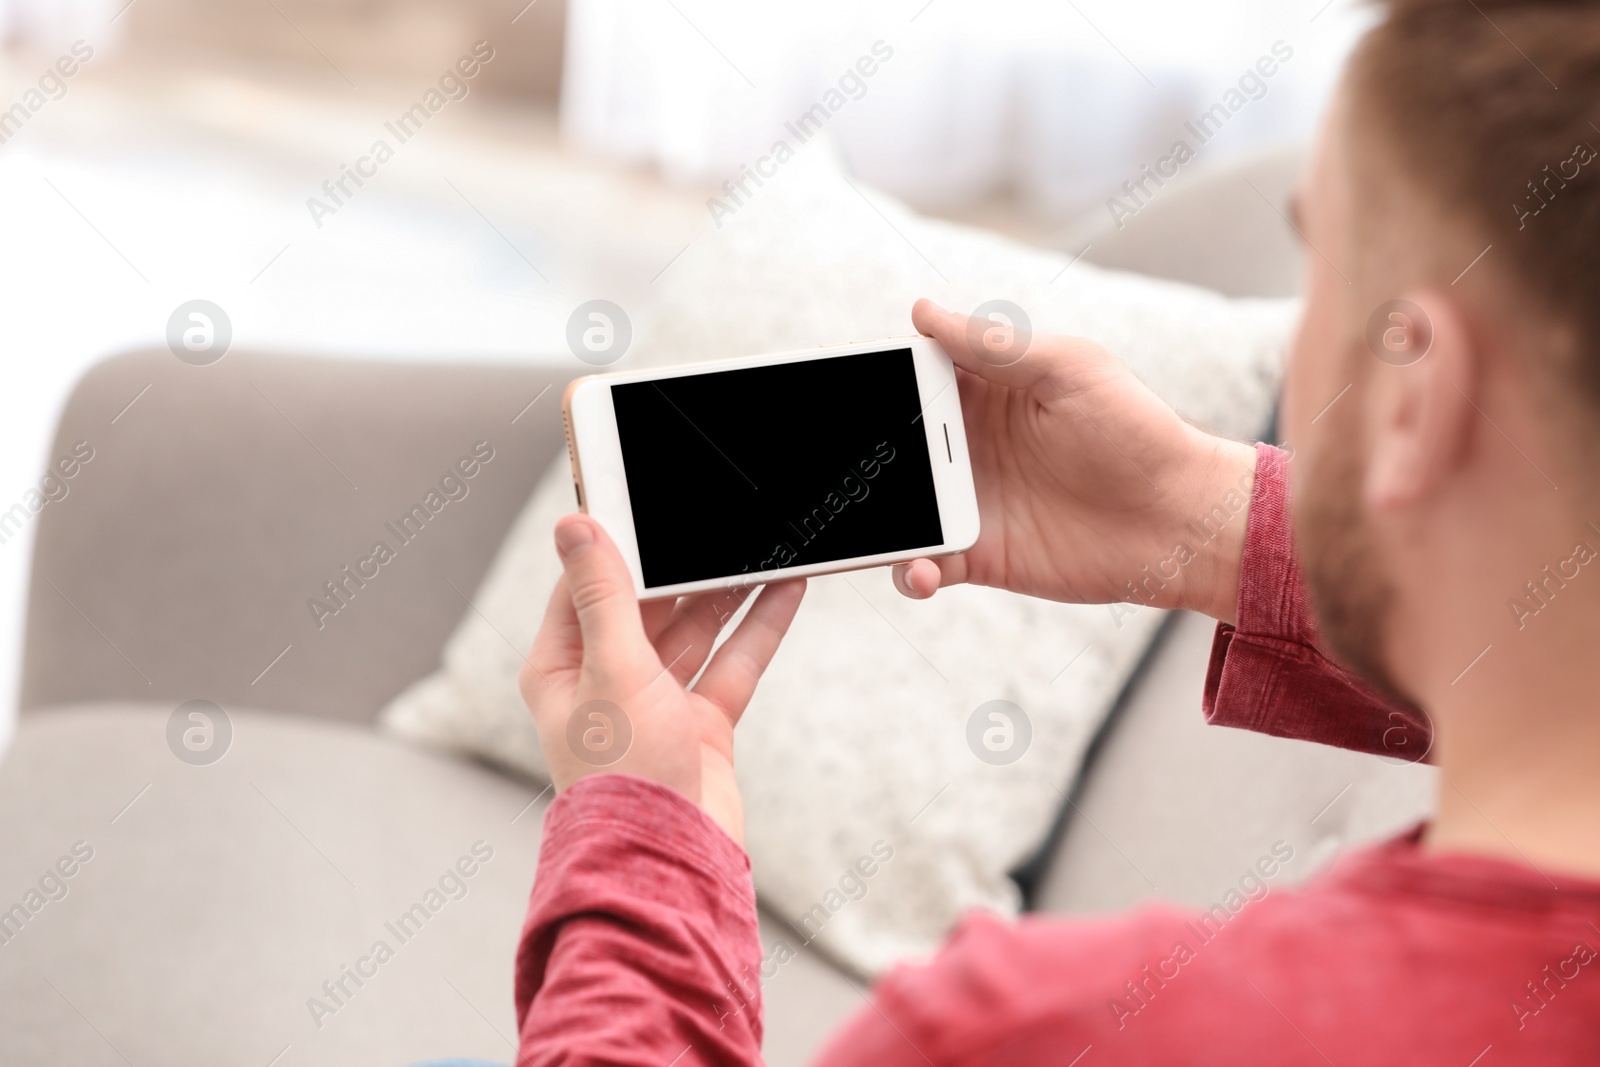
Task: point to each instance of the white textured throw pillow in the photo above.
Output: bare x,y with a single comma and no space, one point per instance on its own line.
861,750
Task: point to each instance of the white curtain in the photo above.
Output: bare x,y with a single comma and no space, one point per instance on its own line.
1060,101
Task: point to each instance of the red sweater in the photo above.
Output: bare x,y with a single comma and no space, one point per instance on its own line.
641,940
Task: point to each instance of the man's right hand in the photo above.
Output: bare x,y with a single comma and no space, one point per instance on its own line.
1085,478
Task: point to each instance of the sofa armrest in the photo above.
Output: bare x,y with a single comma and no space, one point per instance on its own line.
1223,229
185,559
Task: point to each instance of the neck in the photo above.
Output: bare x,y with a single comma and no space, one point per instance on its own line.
1518,738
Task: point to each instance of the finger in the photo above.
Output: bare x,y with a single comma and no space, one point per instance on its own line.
602,596
1057,365
920,579
685,642
557,647
730,679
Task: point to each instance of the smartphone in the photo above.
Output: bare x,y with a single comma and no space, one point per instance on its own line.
746,471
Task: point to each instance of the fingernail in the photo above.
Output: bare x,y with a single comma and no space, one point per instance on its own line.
573,539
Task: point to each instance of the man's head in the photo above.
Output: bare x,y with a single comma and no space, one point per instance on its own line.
1447,376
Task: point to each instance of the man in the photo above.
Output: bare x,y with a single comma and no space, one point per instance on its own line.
1442,403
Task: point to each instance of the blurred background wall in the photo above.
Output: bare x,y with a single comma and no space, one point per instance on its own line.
294,38
180,160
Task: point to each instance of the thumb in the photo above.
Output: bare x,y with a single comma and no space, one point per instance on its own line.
602,593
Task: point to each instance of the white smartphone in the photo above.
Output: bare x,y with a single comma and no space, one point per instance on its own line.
746,471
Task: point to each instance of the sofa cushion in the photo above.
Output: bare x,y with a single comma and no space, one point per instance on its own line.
208,902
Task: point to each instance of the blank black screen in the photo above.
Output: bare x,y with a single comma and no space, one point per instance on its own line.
765,468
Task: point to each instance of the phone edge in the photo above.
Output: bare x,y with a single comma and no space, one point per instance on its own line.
815,570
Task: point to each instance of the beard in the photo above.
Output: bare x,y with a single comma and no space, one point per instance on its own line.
1352,596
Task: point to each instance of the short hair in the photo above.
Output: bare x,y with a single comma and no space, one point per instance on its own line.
1486,108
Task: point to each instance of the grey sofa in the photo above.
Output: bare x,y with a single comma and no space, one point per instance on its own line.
227,912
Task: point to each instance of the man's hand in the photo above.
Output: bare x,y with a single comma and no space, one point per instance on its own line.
1085,478
606,678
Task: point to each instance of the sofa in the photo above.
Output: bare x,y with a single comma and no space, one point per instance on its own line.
217,838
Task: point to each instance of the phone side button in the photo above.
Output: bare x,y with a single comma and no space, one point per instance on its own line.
577,490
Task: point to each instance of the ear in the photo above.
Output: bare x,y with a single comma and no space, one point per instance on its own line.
1422,406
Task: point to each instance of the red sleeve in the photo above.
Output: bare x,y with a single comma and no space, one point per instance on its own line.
1269,672
641,941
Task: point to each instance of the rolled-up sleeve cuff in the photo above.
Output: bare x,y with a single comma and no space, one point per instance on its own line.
1268,672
